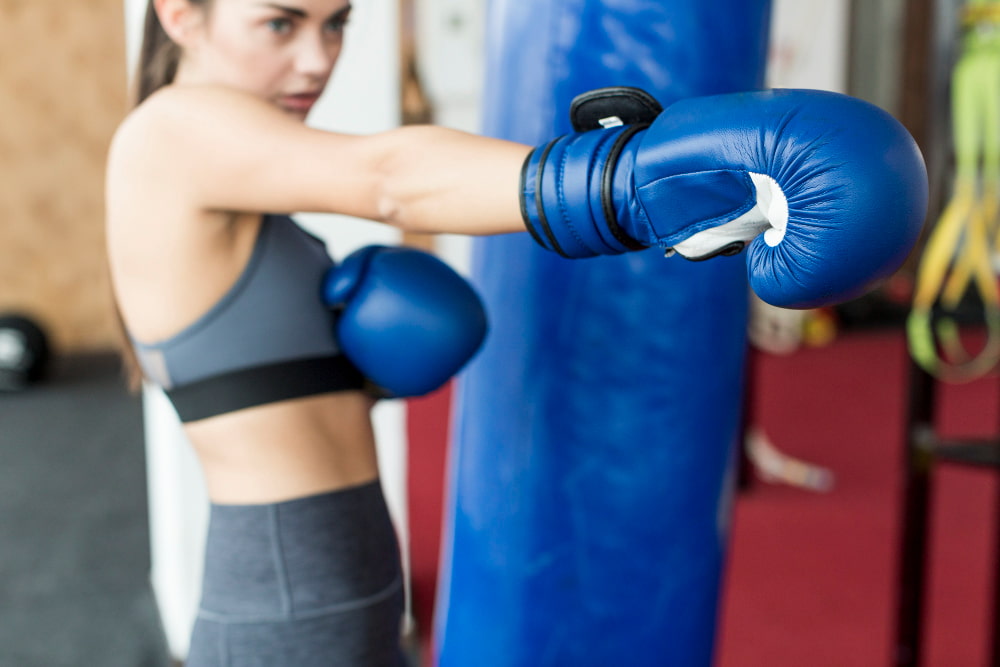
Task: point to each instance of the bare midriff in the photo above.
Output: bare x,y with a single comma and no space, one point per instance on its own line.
287,450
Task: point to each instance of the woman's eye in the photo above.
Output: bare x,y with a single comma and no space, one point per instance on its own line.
279,26
336,25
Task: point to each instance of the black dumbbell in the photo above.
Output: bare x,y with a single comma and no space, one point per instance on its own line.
24,351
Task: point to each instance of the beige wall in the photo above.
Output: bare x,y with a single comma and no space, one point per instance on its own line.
62,92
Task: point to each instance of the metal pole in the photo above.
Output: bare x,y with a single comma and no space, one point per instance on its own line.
918,462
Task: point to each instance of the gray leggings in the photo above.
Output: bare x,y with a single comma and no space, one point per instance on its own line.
310,582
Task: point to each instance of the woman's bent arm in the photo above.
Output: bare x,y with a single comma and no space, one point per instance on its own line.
220,149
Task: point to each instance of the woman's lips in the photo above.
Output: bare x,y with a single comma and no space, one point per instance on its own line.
299,102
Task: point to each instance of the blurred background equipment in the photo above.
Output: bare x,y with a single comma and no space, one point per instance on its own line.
778,331
24,351
956,280
956,88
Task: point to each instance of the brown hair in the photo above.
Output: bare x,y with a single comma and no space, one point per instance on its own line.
159,57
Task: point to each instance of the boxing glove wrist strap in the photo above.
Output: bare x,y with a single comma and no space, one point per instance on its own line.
567,193
571,188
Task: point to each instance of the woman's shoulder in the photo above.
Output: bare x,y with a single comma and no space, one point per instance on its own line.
186,99
178,139
175,112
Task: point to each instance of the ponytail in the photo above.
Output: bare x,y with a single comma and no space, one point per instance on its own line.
159,57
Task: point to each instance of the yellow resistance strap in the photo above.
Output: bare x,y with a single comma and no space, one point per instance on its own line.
960,250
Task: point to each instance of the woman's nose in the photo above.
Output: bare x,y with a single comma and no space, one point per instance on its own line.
317,56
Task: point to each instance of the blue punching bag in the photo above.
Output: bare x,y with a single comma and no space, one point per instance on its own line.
594,445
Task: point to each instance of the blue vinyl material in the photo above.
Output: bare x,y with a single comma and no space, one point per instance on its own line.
592,467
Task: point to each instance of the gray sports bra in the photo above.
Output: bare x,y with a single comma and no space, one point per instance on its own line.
269,338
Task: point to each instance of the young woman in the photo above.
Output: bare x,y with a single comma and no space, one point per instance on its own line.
217,287
211,279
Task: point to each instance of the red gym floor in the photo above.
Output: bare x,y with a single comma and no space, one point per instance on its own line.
812,576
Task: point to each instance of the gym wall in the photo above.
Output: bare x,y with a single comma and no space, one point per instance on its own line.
61,73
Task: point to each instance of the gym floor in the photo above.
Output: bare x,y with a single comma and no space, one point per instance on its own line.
74,543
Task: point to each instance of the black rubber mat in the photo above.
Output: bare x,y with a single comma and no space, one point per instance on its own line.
74,541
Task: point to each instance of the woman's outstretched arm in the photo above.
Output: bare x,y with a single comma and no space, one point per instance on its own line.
221,149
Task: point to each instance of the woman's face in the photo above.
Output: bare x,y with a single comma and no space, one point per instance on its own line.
282,51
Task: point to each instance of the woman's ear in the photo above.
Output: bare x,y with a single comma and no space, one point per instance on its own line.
179,19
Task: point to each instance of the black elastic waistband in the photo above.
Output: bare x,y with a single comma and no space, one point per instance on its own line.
249,387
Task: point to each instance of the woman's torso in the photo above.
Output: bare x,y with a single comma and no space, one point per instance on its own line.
172,265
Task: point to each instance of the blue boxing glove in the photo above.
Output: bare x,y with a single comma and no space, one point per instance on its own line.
406,319
828,192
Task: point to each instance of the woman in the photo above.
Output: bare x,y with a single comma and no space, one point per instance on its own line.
301,559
